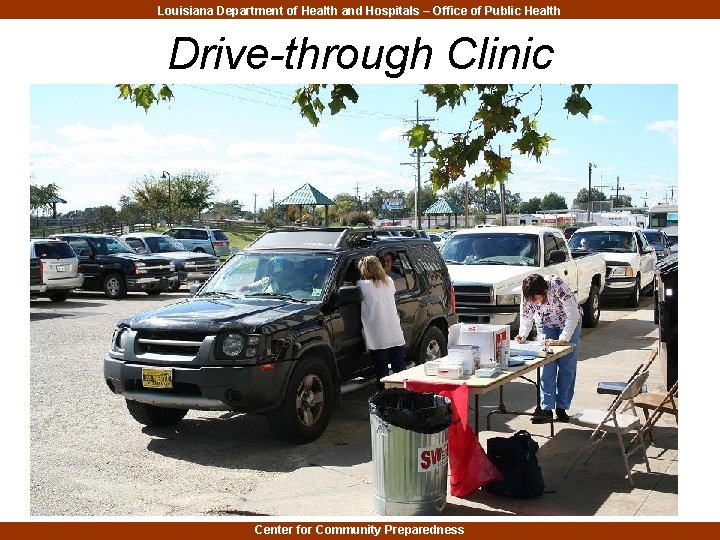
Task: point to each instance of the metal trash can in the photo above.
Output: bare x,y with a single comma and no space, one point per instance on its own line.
666,316
409,432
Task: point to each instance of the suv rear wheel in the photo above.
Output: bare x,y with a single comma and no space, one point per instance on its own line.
432,346
154,416
591,308
634,299
307,406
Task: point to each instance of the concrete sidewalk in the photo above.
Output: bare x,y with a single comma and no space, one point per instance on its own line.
338,483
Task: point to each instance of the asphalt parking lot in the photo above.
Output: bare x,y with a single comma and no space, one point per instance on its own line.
90,458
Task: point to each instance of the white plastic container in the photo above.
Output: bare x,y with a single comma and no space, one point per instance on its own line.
450,371
493,340
469,355
431,366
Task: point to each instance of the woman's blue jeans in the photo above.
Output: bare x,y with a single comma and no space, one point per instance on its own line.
395,356
557,379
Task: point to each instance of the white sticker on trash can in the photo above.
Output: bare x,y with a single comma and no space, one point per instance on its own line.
432,457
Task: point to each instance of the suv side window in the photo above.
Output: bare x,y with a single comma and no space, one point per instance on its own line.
182,234
550,245
562,246
409,281
78,245
198,235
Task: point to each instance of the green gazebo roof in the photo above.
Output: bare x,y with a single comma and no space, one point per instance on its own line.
306,195
441,206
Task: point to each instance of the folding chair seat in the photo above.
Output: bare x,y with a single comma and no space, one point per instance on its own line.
612,421
615,387
654,405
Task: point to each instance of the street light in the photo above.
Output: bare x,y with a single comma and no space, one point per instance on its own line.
590,168
166,174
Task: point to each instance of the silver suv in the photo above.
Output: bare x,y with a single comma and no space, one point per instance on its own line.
60,267
199,240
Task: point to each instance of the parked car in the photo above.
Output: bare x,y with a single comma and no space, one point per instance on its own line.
190,266
436,239
60,270
488,266
37,286
283,350
672,234
659,241
111,266
629,257
199,240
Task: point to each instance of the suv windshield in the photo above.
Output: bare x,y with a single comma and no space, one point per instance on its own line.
284,275
108,245
219,235
608,241
163,244
510,249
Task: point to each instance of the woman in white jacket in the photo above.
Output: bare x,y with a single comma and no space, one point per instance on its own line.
380,321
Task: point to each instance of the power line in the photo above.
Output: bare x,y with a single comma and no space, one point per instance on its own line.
418,153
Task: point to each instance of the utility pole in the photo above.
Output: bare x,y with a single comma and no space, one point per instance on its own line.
418,154
645,198
590,168
503,213
617,190
255,208
466,204
672,193
357,195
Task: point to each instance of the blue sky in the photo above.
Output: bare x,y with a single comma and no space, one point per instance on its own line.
256,144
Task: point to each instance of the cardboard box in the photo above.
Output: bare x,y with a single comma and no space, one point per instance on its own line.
493,340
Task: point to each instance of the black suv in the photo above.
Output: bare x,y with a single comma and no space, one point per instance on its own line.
276,331
111,266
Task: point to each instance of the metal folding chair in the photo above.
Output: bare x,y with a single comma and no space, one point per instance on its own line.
615,387
612,421
654,405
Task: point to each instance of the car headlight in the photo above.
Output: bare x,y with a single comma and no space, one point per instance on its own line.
622,271
121,339
507,299
233,344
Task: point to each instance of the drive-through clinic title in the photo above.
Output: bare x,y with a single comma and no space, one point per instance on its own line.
393,60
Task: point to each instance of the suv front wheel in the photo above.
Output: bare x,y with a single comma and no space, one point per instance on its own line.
114,286
432,346
307,406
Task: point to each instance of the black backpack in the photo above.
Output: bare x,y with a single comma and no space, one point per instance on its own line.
516,458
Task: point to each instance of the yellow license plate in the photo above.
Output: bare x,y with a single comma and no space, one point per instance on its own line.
157,378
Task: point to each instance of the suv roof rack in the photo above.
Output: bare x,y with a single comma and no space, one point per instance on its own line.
329,237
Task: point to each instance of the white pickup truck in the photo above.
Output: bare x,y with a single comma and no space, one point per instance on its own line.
487,267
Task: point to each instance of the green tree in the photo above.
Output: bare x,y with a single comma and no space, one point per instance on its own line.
512,202
145,95
455,194
622,201
531,206
226,209
106,215
582,196
553,201
377,200
41,198
192,192
426,199
130,211
344,203
499,111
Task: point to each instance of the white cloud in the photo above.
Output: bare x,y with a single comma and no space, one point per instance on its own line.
599,119
667,127
391,134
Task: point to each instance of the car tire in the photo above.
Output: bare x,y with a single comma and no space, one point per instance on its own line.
176,287
199,250
650,289
114,286
591,308
307,406
59,296
432,346
154,292
634,299
154,416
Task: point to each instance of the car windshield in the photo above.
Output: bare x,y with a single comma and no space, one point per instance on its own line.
511,249
654,237
107,245
301,277
163,244
607,241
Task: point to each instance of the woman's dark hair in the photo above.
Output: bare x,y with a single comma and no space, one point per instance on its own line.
534,285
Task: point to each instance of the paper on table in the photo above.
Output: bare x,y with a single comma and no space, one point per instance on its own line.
529,347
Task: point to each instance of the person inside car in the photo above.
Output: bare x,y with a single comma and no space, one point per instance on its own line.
386,258
477,252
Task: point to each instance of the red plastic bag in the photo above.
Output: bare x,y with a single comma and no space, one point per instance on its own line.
470,468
